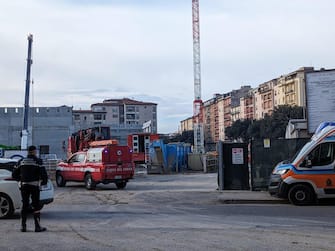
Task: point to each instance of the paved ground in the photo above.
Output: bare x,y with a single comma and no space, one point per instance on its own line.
171,212
239,197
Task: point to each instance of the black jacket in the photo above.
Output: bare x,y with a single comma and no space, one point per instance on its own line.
30,169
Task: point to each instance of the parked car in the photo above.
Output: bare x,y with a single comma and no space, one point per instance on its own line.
10,196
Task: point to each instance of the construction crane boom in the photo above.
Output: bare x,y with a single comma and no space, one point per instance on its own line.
24,134
197,103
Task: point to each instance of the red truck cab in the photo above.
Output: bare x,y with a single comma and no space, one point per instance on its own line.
99,164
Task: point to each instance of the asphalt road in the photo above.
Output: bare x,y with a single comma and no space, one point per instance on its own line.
170,212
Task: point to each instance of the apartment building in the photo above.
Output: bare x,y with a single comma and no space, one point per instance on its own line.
83,119
220,105
247,106
236,102
257,103
186,125
264,99
235,113
247,103
210,116
218,113
227,110
123,116
290,89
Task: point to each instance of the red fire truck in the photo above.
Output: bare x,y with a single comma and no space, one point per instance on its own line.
139,143
96,161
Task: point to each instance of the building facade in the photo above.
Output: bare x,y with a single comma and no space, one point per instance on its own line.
186,125
264,99
209,108
290,89
123,116
247,106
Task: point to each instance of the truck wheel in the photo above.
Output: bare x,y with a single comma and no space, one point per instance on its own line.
301,194
121,185
89,182
60,181
6,206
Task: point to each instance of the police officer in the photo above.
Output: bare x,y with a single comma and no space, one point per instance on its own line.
31,174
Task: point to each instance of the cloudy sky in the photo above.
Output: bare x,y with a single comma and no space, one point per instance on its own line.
85,51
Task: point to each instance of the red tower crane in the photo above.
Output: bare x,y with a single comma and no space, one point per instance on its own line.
197,103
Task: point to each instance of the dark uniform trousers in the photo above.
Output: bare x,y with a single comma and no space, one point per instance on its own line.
27,192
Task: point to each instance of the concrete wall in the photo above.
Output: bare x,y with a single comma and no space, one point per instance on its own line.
47,126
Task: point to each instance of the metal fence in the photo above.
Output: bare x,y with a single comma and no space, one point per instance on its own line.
265,154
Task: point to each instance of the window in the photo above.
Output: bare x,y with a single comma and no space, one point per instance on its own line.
74,159
76,117
130,116
81,158
97,116
322,155
130,109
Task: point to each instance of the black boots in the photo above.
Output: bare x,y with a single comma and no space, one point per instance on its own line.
24,228
38,227
23,222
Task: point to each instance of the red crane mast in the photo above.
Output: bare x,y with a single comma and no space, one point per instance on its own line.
197,103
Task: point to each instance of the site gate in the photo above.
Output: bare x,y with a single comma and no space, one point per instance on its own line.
233,166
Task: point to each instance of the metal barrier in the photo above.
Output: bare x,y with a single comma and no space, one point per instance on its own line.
265,155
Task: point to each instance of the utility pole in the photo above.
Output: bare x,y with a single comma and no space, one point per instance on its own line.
197,103
25,133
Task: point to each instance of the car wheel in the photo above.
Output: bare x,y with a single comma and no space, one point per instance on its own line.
121,185
6,206
301,194
89,182
60,181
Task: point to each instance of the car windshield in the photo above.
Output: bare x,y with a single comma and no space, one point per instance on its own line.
302,151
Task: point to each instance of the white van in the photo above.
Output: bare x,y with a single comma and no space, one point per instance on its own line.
310,174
